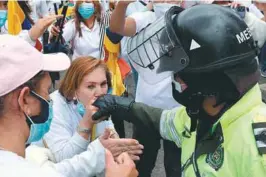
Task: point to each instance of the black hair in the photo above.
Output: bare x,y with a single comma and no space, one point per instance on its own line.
32,84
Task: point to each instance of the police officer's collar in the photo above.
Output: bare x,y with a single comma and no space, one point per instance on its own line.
251,99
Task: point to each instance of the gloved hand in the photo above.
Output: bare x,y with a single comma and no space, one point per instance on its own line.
112,105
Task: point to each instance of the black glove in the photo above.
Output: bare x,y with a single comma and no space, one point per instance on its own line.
112,105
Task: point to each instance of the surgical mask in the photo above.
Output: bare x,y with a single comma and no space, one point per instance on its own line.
86,10
3,17
81,108
40,125
178,86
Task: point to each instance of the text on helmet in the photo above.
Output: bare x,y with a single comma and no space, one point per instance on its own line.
244,36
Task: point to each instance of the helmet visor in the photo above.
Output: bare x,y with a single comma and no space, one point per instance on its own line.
155,52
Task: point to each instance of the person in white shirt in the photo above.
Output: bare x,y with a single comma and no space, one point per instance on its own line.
26,113
261,4
83,32
39,9
34,32
157,93
72,129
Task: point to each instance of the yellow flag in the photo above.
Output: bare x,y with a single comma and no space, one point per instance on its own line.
15,17
118,87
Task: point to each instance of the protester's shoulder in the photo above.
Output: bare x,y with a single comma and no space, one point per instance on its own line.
70,24
71,21
16,166
56,95
58,98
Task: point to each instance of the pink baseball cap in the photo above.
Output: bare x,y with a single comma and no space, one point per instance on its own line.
19,62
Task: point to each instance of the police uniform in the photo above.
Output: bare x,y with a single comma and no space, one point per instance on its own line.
235,146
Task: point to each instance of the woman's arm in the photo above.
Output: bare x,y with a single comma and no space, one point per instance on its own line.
119,23
63,139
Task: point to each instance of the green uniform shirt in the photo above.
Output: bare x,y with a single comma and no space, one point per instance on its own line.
238,154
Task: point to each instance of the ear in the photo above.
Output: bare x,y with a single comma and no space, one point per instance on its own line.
24,100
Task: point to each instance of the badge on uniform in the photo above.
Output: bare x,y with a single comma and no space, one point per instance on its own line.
216,158
259,130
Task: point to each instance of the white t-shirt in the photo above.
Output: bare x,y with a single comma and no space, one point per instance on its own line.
253,9
88,44
12,165
134,7
39,9
62,138
257,28
159,94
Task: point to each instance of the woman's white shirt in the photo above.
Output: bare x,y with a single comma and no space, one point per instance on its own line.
88,44
62,138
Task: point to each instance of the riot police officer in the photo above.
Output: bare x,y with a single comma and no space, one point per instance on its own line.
212,55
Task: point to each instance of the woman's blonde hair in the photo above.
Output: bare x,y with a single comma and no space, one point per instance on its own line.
79,68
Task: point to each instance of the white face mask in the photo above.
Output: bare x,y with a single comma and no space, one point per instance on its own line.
161,8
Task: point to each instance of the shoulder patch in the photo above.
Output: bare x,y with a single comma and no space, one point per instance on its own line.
259,129
216,159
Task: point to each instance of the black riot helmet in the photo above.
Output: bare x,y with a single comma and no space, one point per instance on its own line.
209,47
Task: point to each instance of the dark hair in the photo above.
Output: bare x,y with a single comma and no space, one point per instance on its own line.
32,84
24,5
79,19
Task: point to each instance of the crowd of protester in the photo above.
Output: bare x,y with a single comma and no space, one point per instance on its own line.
46,93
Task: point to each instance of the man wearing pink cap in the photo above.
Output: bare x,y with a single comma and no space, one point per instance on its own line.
26,112
25,108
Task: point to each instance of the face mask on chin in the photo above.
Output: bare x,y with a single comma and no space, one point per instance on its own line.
81,108
39,125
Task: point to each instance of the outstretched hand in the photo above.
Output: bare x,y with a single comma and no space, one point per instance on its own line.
118,146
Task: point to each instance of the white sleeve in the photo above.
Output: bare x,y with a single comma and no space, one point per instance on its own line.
257,28
25,35
253,9
143,19
62,140
89,163
69,31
